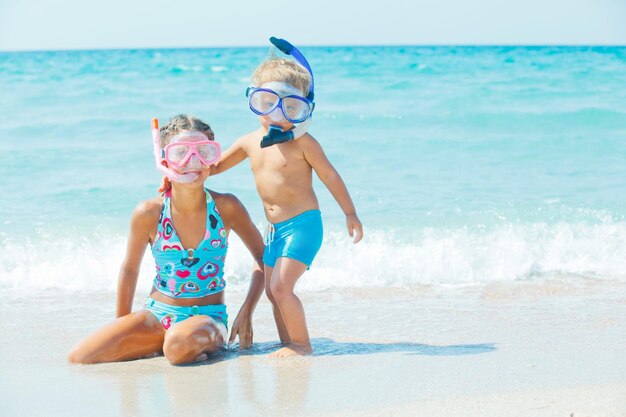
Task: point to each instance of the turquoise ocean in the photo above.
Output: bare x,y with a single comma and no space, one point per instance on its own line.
467,165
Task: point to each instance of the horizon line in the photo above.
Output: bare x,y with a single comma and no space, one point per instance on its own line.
389,45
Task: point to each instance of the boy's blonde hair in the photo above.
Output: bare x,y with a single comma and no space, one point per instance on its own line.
282,70
182,122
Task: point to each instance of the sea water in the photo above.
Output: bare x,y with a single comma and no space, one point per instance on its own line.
467,165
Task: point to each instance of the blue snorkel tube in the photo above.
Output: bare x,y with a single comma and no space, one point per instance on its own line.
275,134
288,49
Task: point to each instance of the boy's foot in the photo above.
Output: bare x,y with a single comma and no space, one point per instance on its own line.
291,350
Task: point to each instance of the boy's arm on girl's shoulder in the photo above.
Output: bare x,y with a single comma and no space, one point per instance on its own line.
231,156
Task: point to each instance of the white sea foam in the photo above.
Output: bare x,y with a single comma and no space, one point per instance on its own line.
381,260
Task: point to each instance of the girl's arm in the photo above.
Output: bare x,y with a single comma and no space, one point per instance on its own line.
139,237
236,214
327,173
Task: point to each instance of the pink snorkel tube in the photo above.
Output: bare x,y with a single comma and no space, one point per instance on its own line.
156,145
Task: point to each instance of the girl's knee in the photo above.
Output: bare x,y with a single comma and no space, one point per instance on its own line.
182,346
178,349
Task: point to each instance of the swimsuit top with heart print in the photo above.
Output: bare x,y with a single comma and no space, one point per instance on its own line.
184,272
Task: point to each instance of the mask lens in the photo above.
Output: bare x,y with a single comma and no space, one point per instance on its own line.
208,152
176,153
263,102
296,109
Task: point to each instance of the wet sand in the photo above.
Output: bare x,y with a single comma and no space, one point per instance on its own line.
531,348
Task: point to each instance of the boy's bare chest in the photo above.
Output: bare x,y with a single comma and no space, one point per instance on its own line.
278,160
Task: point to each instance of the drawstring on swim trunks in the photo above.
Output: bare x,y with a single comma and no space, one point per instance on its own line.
269,234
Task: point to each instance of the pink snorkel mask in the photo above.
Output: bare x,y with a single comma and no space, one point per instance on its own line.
180,152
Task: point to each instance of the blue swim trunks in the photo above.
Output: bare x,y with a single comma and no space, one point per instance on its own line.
298,238
169,314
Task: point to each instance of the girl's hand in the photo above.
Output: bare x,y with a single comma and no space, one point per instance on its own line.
242,326
355,228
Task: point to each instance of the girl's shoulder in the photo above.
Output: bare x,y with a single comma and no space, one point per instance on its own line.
224,201
229,206
148,211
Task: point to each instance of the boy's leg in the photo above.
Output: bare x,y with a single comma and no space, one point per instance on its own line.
286,273
278,318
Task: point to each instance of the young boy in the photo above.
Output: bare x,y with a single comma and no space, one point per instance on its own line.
282,157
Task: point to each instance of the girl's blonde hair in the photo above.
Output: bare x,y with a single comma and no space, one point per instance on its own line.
282,70
182,122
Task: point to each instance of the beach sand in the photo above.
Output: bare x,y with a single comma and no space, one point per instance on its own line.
545,348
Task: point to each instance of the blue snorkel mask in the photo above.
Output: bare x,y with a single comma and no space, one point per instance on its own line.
280,100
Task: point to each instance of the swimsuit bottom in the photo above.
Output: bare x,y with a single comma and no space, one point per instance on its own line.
168,314
298,238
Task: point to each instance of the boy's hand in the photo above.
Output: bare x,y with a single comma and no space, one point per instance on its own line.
242,326
355,228
165,184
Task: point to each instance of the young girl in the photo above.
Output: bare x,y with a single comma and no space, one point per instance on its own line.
187,229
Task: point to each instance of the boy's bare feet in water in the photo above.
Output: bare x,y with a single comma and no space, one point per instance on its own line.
291,350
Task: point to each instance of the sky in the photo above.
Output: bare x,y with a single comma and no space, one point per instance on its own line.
112,24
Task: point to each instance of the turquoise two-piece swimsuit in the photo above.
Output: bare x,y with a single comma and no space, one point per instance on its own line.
188,273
